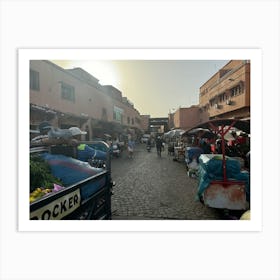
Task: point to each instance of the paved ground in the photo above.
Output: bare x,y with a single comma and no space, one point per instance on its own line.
150,187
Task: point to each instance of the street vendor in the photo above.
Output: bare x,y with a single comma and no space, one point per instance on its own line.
84,151
205,146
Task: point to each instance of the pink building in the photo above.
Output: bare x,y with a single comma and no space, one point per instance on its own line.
227,93
75,98
186,118
145,122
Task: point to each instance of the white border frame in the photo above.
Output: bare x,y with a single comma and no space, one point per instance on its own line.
254,55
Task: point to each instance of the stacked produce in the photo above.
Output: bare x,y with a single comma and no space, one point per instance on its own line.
42,182
38,193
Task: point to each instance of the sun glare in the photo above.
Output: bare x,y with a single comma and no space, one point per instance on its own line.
105,71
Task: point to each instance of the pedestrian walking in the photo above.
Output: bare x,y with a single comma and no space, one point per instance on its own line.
159,145
130,148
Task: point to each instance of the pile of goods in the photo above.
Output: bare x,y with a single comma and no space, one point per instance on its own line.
38,193
211,169
42,182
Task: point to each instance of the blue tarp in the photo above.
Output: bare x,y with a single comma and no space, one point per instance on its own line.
191,153
90,153
211,169
71,171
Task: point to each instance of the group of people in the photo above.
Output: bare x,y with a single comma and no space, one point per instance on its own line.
50,135
237,147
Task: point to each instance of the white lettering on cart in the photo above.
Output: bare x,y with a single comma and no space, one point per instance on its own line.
59,208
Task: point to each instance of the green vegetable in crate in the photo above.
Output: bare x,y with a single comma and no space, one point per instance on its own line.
40,174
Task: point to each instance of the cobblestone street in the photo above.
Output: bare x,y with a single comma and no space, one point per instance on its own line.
150,187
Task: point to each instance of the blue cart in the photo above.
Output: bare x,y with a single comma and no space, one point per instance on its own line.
88,198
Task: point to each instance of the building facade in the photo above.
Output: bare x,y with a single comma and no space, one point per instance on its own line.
170,120
158,125
73,97
186,118
145,123
227,93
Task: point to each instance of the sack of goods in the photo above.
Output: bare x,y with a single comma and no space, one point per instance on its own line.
211,169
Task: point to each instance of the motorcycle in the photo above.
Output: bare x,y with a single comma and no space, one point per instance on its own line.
116,150
148,148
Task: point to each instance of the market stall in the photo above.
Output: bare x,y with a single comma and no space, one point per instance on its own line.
222,183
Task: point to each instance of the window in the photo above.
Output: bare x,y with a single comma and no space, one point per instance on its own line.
236,90
34,80
118,114
128,120
67,92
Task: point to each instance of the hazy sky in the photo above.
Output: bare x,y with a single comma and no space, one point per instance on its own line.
155,87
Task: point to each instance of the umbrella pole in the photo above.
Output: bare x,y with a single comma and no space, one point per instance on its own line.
223,152
223,133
